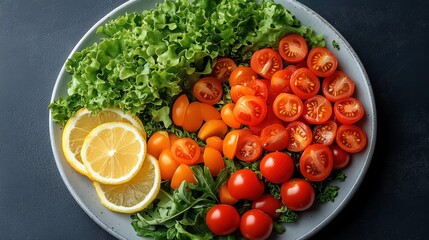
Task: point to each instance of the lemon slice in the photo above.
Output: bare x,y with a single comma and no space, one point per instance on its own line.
78,127
134,195
113,152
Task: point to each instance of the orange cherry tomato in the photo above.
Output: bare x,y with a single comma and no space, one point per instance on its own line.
250,110
266,62
230,141
237,91
215,142
157,143
321,62
179,109
300,136
249,148
317,110
213,160
208,90
287,107
208,112
225,197
227,115
185,151
173,137
223,68
212,128
201,157
193,118
304,83
183,173
293,48
242,76
167,164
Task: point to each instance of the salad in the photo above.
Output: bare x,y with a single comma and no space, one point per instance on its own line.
236,106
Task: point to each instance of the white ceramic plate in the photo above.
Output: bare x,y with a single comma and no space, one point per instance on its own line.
119,225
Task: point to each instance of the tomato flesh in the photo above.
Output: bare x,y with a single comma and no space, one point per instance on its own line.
338,86
351,138
325,133
266,62
317,110
208,90
304,83
293,48
316,162
321,62
280,82
300,136
223,68
249,148
287,107
348,111
274,137
250,110
185,151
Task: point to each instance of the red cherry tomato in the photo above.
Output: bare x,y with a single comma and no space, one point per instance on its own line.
351,138
249,148
256,225
260,88
186,151
280,82
287,107
341,157
223,67
297,194
317,110
244,184
237,91
293,48
304,83
268,204
208,90
300,136
325,133
277,167
348,111
223,219
250,110
242,76
316,162
338,86
269,119
266,62
321,62
274,137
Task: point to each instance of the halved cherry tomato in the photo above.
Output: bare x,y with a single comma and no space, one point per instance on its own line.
317,110
293,68
287,107
249,148
304,83
300,136
280,82
225,197
215,142
266,62
338,86
349,110
316,162
277,167
208,112
325,133
193,118
183,173
274,137
245,184
208,90
223,67
250,110
213,160
351,138
212,128
222,219
268,204
157,143
167,164
228,116
269,119
293,48
321,62
260,88
297,194
179,109
173,137
271,94
242,76
185,150
256,225
201,157
230,142
341,157
237,91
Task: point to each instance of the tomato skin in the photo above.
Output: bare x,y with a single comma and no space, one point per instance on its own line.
341,157
167,164
179,109
316,162
349,110
268,204
157,143
338,86
215,142
223,68
321,62
266,62
227,115
274,137
256,225
242,76
351,138
225,197
208,112
250,110
238,91
317,110
208,90
185,151
229,147
223,219
213,160
193,118
297,194
325,133
249,148
304,83
280,82
287,107
277,167
212,128
293,48
244,184
300,136
182,173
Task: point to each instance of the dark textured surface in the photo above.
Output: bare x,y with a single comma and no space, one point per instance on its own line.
389,36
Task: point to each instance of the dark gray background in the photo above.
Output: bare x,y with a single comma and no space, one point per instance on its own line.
389,36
